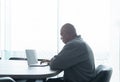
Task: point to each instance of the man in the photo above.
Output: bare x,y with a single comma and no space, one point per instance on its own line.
75,59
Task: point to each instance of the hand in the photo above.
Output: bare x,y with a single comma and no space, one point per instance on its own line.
44,61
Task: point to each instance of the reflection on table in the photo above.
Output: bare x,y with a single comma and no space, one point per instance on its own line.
20,70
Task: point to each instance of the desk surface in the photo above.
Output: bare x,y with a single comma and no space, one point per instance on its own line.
20,70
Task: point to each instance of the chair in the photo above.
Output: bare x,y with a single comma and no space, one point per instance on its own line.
6,79
20,58
103,74
17,58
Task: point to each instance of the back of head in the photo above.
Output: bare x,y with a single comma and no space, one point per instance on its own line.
69,29
68,32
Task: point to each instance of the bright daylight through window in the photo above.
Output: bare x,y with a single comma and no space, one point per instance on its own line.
35,24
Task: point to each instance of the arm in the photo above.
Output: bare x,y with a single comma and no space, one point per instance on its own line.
70,55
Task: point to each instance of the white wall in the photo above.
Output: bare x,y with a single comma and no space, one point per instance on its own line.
115,40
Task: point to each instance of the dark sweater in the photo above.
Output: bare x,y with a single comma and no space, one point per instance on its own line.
76,60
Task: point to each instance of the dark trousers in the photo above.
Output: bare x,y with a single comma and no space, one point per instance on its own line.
50,80
57,80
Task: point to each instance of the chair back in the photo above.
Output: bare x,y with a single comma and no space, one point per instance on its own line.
17,58
7,79
103,74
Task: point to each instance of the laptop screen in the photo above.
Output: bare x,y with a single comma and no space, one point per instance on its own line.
31,56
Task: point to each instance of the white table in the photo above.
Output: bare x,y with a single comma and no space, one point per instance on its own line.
20,70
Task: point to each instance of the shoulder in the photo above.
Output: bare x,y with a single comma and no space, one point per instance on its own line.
76,43
78,40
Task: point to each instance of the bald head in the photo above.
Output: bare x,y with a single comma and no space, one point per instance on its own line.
68,32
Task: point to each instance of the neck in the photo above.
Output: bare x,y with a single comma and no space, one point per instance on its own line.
72,37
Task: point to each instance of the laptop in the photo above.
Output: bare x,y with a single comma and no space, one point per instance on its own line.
32,59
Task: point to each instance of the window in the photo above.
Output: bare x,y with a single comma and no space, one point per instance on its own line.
31,24
35,24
